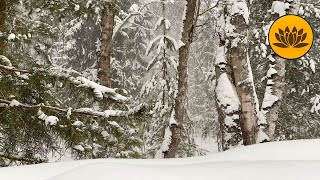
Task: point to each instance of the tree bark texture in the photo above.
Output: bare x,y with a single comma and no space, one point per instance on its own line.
107,24
278,85
3,8
189,24
242,73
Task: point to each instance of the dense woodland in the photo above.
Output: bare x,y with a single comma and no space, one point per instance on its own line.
86,79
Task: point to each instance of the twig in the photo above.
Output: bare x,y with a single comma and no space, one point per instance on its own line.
209,9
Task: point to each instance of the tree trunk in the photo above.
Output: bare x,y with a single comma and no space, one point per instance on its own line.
228,105
189,24
276,86
239,58
107,24
3,8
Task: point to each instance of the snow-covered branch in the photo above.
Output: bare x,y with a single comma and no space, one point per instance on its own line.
84,111
22,159
99,91
123,22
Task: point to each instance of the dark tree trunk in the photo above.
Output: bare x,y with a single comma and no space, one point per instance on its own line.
104,63
180,104
3,8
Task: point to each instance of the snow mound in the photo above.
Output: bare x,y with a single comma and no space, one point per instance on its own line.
294,160
302,150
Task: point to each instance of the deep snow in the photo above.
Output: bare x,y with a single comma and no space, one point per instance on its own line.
290,160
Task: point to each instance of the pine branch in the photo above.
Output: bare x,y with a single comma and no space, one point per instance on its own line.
60,73
10,69
85,111
23,159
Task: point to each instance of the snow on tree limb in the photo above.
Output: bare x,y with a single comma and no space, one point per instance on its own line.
226,94
5,61
279,7
240,7
99,91
49,120
315,101
22,159
121,24
272,96
85,111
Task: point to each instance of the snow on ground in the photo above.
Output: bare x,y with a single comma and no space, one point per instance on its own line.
294,160
209,144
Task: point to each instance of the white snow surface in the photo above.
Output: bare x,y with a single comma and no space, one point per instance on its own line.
14,103
313,65
165,144
79,148
269,99
261,137
100,90
226,94
294,160
315,104
11,37
240,7
221,55
279,8
49,120
134,8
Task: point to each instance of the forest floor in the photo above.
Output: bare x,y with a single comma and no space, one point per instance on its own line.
286,160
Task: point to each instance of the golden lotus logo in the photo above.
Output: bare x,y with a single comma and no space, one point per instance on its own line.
290,37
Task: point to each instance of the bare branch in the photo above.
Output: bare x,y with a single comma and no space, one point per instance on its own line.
209,9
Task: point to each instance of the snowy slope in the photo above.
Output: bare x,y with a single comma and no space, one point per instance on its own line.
294,160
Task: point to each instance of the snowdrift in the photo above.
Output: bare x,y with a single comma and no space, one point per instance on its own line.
288,160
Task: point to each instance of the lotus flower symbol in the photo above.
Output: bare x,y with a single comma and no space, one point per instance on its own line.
292,38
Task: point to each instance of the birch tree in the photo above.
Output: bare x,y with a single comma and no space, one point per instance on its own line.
242,73
275,87
227,99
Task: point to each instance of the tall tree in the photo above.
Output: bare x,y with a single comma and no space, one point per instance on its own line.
242,73
273,96
107,24
189,24
160,84
3,8
229,109
34,115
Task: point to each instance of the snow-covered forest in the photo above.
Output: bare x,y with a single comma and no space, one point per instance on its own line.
144,79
